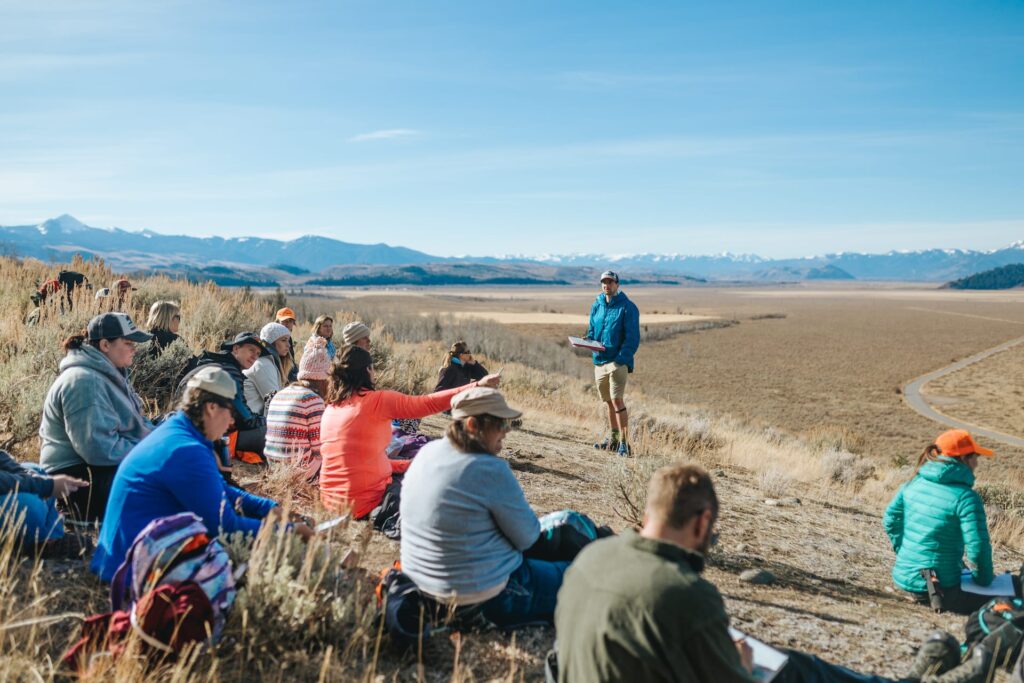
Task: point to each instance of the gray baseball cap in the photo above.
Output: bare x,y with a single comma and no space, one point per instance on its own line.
114,326
214,380
609,274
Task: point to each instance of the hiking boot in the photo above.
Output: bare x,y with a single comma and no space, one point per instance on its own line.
624,450
939,653
978,668
609,444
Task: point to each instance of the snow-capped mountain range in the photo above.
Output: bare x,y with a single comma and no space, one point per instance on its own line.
56,239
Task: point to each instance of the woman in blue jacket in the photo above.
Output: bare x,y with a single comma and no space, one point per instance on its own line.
937,518
174,470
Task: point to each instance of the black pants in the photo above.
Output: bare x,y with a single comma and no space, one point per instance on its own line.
89,503
805,668
955,600
252,440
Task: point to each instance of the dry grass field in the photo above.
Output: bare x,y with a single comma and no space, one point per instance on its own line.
796,403
989,393
803,359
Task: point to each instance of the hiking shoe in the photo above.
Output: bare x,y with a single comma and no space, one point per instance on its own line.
624,450
609,444
939,653
977,669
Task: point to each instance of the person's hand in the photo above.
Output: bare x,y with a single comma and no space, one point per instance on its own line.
304,532
63,485
746,654
492,381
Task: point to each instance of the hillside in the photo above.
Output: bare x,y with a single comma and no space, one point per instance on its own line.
1005,277
801,507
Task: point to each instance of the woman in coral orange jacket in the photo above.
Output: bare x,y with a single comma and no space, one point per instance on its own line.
356,428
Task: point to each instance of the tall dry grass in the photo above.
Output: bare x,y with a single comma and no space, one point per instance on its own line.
301,616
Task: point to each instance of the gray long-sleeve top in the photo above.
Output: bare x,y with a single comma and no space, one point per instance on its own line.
465,521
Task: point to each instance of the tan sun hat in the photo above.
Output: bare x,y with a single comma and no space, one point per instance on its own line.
482,401
214,380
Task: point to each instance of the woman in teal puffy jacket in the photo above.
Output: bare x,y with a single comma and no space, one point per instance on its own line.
937,518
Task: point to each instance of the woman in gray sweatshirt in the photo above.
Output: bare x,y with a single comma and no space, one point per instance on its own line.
466,522
91,416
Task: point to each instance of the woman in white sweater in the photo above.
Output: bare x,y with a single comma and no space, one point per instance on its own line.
269,373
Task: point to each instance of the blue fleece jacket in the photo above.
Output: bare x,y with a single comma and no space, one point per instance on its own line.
616,324
172,470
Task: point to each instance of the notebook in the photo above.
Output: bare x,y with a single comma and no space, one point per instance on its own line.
767,660
1001,586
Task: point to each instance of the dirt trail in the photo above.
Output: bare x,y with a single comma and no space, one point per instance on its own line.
833,596
912,395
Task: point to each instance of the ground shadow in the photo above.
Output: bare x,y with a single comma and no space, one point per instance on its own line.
788,576
795,610
531,468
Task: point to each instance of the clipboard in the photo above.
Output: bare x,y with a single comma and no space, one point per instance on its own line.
768,661
588,344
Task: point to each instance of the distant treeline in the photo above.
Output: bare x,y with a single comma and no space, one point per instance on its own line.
428,279
1005,277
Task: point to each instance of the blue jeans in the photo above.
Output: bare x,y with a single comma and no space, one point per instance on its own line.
530,595
42,521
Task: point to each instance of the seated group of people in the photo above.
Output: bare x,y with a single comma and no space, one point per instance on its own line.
632,607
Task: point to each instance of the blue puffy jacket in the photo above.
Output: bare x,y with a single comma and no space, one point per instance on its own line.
616,324
933,519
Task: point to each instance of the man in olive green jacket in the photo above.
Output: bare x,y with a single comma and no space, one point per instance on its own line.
635,608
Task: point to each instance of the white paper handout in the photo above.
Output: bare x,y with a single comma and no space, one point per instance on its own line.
586,343
767,660
331,523
1001,586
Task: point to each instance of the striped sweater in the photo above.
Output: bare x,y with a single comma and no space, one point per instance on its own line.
293,426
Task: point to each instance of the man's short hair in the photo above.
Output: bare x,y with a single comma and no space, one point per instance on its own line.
678,493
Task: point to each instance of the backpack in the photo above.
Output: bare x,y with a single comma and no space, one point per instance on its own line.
409,617
563,534
174,550
1005,614
70,279
386,517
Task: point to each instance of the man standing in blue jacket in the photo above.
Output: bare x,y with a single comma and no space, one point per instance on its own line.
615,323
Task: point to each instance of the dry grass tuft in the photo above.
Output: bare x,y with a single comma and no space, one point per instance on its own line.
774,483
843,467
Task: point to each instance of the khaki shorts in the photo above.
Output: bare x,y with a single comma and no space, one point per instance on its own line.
611,380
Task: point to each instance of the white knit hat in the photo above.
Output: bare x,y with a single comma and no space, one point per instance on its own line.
271,332
315,363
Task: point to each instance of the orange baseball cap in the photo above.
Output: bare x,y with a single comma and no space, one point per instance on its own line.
285,313
958,442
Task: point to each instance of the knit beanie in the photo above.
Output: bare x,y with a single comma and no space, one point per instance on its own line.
353,332
315,363
271,332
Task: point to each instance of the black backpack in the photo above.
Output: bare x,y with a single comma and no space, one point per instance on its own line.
1005,615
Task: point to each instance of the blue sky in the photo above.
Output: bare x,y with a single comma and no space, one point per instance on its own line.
777,128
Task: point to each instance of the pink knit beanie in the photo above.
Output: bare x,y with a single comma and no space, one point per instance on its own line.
315,363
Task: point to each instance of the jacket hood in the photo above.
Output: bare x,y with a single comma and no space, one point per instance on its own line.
93,359
617,300
946,470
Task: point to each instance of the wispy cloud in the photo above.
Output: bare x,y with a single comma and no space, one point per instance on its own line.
387,134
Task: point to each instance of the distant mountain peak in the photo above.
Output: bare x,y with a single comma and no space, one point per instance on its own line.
65,223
